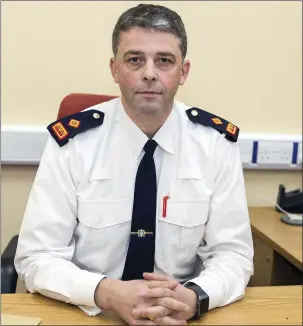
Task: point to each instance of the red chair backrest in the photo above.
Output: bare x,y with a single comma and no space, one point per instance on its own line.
77,102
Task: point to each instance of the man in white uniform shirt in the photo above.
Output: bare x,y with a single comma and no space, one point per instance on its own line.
138,205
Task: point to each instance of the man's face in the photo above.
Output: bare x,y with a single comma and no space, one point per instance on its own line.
149,70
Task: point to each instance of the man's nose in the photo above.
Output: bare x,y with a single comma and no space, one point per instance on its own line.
149,72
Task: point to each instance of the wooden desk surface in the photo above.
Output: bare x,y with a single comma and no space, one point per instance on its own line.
260,306
284,238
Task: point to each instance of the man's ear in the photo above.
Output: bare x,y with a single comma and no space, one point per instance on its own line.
184,72
113,69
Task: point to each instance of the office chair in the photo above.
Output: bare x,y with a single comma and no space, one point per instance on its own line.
77,102
70,104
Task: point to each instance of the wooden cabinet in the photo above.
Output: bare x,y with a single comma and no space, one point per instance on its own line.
271,269
263,263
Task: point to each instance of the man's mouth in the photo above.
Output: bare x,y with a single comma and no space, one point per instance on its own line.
148,92
149,95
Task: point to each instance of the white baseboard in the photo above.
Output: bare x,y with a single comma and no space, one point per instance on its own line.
24,145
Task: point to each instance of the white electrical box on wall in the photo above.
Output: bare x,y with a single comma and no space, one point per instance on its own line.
274,152
271,152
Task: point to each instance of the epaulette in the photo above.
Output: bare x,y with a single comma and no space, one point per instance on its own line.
210,120
70,126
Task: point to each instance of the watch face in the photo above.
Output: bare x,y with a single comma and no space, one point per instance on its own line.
201,307
204,304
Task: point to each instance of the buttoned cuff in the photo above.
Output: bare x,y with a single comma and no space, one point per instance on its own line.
83,289
91,311
211,288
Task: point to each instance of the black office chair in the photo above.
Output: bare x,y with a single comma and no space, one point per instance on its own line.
8,273
70,104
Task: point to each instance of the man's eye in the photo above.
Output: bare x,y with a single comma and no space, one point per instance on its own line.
164,60
134,60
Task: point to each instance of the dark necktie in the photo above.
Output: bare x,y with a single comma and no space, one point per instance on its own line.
141,251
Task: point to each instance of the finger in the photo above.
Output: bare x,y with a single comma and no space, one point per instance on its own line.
172,304
154,311
156,277
171,284
160,292
160,277
143,322
167,320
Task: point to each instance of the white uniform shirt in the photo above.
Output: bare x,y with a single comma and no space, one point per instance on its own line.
77,222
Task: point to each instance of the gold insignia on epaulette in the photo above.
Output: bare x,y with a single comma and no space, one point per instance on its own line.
232,129
74,123
217,121
59,130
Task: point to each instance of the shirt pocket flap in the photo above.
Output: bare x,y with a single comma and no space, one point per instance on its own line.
187,212
103,213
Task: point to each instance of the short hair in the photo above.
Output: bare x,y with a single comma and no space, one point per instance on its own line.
150,17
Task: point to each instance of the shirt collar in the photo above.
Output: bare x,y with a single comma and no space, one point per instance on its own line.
164,136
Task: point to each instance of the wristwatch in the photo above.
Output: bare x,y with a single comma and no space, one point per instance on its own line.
202,299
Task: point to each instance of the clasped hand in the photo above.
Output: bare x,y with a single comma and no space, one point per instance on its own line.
156,300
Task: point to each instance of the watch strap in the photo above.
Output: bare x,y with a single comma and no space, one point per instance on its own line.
202,299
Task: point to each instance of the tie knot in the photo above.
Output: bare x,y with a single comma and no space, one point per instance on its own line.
150,147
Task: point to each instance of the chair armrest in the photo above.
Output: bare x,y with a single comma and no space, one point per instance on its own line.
8,272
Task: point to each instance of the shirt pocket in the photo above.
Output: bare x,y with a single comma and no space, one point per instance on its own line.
183,227
102,233
99,214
